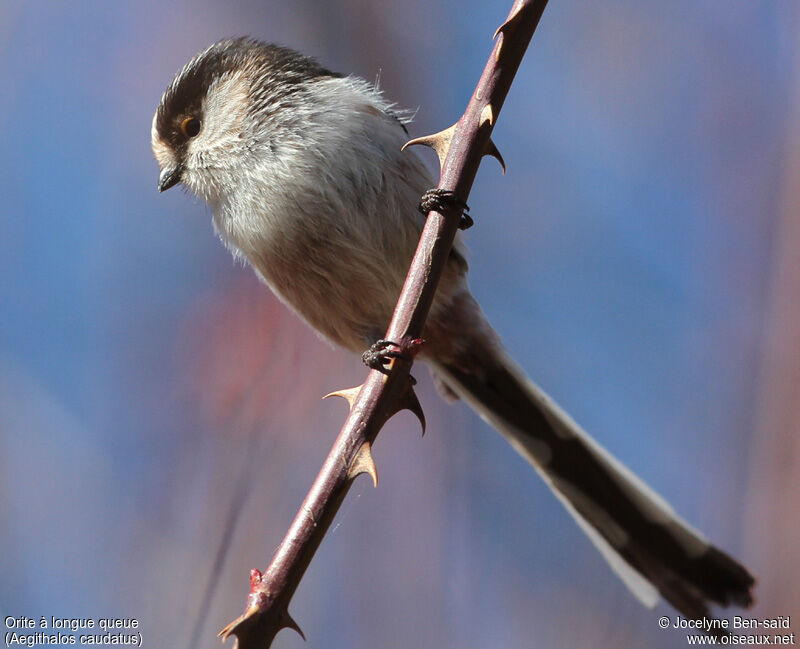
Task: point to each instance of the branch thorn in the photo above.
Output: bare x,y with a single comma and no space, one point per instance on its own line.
409,401
512,20
487,115
439,142
289,623
348,394
240,627
493,151
363,463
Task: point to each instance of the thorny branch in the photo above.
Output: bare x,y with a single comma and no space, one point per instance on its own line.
460,149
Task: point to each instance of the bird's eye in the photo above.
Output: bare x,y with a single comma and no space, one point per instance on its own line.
190,127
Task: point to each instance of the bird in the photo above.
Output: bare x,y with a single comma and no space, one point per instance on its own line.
303,171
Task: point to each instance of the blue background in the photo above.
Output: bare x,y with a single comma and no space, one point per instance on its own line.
638,259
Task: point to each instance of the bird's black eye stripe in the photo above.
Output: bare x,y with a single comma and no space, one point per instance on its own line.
190,126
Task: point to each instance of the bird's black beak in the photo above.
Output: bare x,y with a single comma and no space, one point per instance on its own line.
169,176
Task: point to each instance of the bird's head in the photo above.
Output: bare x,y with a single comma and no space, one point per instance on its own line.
217,118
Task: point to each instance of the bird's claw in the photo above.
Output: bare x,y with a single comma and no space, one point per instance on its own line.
379,354
440,199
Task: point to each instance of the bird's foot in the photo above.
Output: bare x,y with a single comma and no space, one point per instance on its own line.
440,199
379,354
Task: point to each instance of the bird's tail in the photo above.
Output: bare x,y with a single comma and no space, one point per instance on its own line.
646,543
